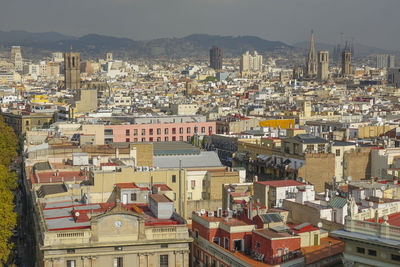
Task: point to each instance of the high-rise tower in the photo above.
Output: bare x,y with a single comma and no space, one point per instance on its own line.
311,61
72,70
16,58
216,58
323,65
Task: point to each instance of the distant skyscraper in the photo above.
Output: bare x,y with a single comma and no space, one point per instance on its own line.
323,65
57,57
311,61
393,77
346,62
249,62
16,58
72,70
216,58
385,61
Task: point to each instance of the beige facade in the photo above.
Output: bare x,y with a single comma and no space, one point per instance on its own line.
106,243
72,79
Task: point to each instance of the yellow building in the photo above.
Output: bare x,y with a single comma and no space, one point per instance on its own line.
41,99
282,124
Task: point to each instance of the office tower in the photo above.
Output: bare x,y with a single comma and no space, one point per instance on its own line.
323,65
251,63
311,62
385,61
346,62
393,77
109,57
16,58
216,58
72,70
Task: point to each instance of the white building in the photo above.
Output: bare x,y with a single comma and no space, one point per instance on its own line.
251,63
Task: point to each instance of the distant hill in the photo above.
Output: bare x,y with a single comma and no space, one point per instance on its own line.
94,45
360,50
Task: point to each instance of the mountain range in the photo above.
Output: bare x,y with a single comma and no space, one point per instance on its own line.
95,45
195,45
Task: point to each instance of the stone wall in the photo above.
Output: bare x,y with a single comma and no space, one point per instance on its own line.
319,168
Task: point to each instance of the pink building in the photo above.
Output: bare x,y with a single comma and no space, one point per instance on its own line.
157,132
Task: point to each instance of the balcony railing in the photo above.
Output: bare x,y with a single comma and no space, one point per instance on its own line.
381,230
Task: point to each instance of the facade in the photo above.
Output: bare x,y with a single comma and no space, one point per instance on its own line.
22,122
72,79
250,62
385,61
216,58
109,234
346,63
16,58
109,57
393,77
323,65
311,61
371,243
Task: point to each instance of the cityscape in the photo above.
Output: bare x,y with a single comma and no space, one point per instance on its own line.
198,151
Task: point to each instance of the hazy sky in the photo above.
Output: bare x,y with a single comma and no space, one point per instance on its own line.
372,22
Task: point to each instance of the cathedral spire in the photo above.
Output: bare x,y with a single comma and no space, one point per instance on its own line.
311,61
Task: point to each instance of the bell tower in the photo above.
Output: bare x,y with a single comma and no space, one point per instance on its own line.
72,70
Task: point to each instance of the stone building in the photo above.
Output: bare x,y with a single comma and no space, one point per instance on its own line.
72,70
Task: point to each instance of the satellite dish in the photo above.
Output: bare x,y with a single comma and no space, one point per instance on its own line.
349,178
319,224
77,214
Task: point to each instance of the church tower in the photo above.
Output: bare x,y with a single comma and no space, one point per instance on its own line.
311,61
72,75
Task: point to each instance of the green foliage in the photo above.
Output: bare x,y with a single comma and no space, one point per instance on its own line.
8,182
8,143
211,79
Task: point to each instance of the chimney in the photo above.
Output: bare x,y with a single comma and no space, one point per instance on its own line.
250,208
228,199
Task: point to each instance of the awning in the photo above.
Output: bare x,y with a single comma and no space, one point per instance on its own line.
263,157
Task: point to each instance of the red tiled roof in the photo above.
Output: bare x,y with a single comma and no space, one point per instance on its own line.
126,185
162,187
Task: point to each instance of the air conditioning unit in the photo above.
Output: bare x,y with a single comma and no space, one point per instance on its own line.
203,211
210,214
139,168
219,212
145,168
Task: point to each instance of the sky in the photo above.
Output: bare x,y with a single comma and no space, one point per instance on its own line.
370,22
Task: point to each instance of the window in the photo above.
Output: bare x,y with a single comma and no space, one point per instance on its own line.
151,131
135,132
166,139
174,178
337,152
371,252
118,248
188,139
158,139
127,132
188,130
143,131
189,195
151,139
173,130
71,263
174,196
180,138
133,197
163,260
258,245
203,129
70,251
360,250
279,252
196,233
127,140
196,129
210,130
193,184
158,131
143,139
166,131
181,130
395,257
118,262
164,245
135,139
173,138
216,240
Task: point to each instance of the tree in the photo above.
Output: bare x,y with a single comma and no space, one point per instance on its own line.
8,143
8,219
8,182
